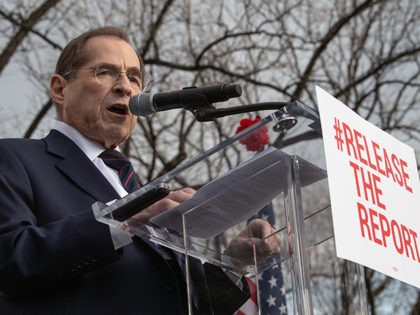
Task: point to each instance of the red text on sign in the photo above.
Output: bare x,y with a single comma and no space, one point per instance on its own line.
377,228
367,183
378,159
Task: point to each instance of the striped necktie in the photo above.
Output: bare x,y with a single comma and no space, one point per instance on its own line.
123,166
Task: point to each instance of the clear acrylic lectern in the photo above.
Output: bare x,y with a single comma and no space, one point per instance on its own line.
284,183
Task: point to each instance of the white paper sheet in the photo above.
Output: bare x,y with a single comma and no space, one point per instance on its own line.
235,196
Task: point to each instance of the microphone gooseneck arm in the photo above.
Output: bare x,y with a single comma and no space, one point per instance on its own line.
209,113
285,116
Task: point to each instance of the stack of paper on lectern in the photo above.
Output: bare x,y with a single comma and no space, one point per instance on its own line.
235,196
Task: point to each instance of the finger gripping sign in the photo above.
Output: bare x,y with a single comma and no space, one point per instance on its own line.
374,191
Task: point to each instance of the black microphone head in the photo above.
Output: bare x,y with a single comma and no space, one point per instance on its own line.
221,92
232,90
142,105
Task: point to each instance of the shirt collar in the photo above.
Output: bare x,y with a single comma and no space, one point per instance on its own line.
90,147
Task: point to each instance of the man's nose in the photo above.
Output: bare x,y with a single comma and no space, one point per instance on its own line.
122,84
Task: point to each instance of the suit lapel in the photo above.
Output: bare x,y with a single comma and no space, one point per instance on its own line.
78,168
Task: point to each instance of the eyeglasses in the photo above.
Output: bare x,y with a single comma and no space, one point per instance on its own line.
109,75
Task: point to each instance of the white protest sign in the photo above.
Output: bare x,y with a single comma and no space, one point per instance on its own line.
374,189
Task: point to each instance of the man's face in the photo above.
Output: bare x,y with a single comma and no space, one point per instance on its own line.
100,111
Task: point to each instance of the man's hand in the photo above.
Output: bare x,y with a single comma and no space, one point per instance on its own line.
258,236
173,199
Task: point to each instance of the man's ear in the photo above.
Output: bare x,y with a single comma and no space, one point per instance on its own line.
57,85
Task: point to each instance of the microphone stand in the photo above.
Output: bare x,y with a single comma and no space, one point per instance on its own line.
210,113
285,116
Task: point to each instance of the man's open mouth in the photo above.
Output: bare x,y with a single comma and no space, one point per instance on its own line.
118,109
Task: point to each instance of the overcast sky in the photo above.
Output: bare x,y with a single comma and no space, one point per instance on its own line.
16,93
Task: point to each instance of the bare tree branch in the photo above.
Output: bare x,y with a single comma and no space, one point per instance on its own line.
25,27
329,36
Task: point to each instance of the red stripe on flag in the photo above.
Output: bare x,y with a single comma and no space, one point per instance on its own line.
250,306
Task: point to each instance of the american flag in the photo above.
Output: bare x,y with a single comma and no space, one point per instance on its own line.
271,285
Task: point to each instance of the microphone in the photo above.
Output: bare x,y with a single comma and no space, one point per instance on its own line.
190,98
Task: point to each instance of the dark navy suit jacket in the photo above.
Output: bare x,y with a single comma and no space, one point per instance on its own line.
55,258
